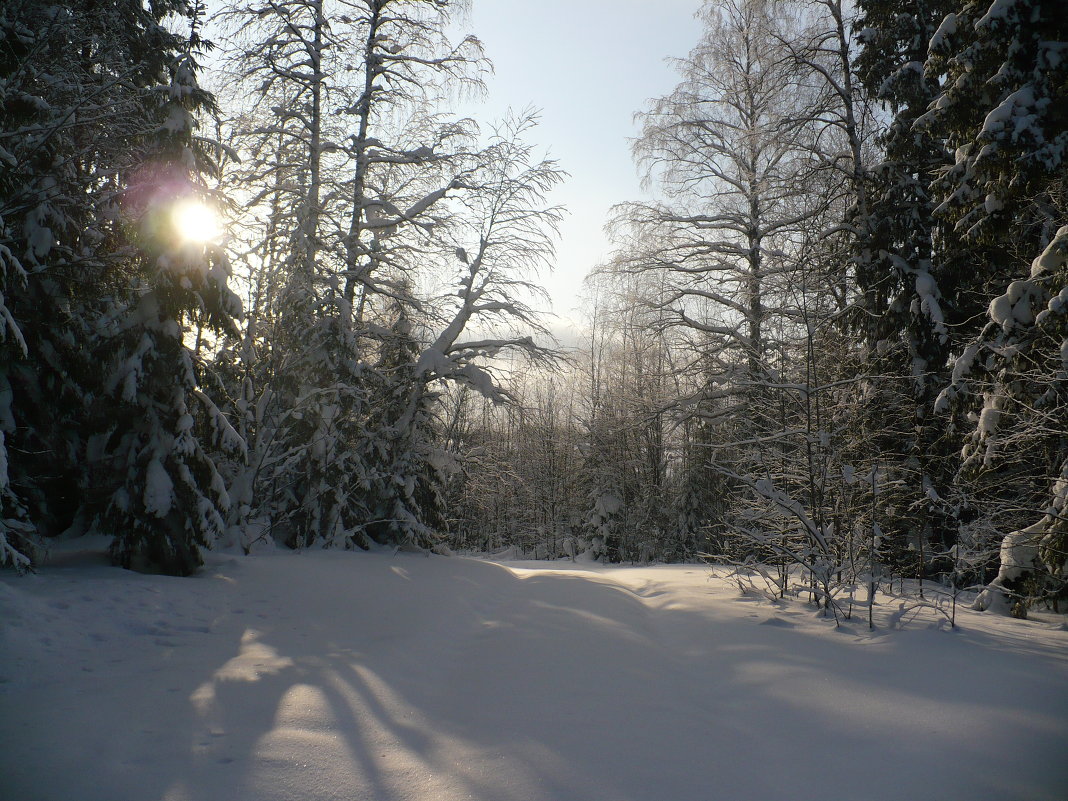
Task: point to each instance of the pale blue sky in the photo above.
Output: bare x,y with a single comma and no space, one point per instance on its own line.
588,65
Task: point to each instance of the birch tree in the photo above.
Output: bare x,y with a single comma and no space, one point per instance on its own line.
731,149
503,233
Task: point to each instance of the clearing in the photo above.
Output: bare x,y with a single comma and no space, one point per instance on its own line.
380,677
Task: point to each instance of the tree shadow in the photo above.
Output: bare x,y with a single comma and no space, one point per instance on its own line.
390,678
484,684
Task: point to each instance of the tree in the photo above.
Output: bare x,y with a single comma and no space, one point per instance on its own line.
723,146
1004,197
914,296
351,166
170,499
734,148
96,97
503,233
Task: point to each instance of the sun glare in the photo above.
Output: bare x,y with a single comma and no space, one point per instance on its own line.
195,221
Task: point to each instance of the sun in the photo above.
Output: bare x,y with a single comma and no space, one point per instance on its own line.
196,221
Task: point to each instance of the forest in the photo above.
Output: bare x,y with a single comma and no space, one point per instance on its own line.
260,287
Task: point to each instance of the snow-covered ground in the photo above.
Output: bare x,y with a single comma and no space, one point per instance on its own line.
320,676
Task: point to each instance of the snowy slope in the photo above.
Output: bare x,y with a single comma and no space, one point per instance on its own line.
319,676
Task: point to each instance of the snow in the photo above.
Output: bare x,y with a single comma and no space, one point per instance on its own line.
927,291
1054,257
178,120
946,29
1019,108
1019,555
39,236
1052,52
989,416
317,676
1016,307
999,10
962,366
159,489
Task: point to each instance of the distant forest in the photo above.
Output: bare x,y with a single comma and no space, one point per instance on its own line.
834,349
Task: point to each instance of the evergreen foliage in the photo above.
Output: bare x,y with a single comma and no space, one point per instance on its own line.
914,299
98,137
1005,73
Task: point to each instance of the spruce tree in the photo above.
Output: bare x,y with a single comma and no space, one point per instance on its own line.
913,298
1005,195
171,500
97,137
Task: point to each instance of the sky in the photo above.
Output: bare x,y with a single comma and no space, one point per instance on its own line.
588,66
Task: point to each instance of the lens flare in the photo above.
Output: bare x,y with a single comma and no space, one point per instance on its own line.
195,221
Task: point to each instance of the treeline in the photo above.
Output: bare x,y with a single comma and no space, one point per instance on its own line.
835,344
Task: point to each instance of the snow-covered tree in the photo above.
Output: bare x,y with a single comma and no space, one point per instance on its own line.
727,159
738,151
627,468
348,167
1021,363
502,235
171,498
65,112
1004,69
912,300
98,130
